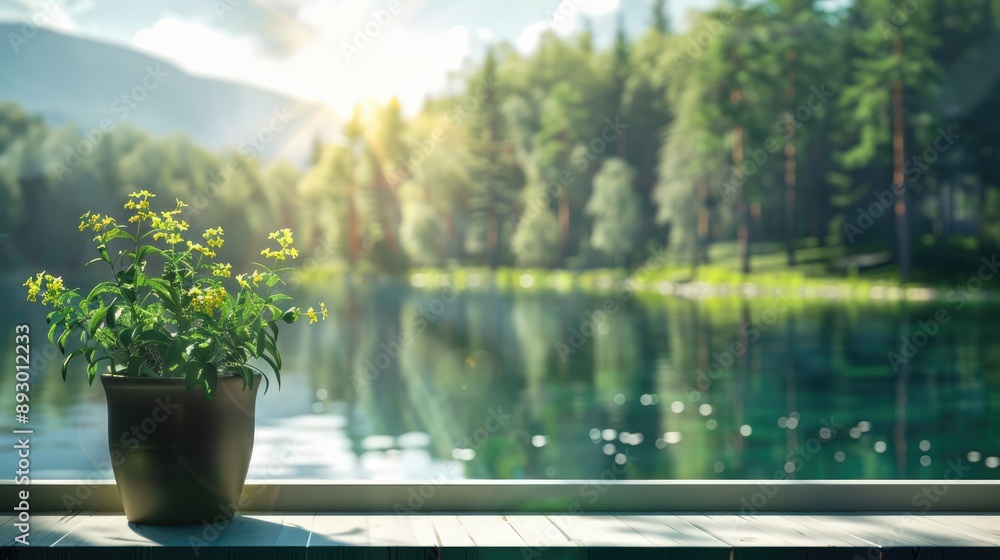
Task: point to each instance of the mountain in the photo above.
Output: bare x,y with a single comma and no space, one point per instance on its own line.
71,79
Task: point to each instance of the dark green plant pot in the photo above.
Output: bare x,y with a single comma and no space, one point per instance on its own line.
179,459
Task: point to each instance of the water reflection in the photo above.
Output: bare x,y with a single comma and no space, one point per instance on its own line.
437,383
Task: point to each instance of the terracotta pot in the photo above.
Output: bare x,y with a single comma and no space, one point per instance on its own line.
178,458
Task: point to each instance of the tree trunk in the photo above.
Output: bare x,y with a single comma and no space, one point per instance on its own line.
353,244
492,233
564,222
701,242
898,178
790,173
743,231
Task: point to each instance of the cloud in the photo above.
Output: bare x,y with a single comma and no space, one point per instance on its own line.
564,20
566,15
50,15
397,61
528,40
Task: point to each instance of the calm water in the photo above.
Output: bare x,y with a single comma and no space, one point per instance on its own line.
405,384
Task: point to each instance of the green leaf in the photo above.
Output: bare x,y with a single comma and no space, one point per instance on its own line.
124,337
103,249
259,349
114,310
103,288
72,355
209,380
154,336
63,338
273,349
192,375
134,365
274,366
96,319
52,333
274,328
166,293
277,297
175,356
289,316
92,368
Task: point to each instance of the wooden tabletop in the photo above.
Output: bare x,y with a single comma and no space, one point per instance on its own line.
521,536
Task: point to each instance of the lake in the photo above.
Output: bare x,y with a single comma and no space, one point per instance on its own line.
405,384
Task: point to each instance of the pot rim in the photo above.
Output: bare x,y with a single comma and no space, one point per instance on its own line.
126,380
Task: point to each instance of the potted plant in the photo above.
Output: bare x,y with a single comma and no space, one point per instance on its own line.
179,337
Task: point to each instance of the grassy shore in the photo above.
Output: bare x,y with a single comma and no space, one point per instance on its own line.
833,273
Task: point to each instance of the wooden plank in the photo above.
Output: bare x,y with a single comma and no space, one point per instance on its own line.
736,531
578,531
339,530
985,526
943,535
879,530
46,529
664,535
490,530
615,530
687,534
423,530
797,535
94,530
246,530
538,531
296,530
823,533
390,530
450,531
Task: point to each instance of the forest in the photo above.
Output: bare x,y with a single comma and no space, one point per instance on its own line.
777,126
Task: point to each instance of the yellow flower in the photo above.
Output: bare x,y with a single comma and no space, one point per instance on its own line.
257,277
203,250
213,237
84,221
140,205
96,222
284,239
241,278
207,300
54,288
34,286
222,270
312,315
325,313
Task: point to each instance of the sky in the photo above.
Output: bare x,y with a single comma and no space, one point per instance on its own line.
335,51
